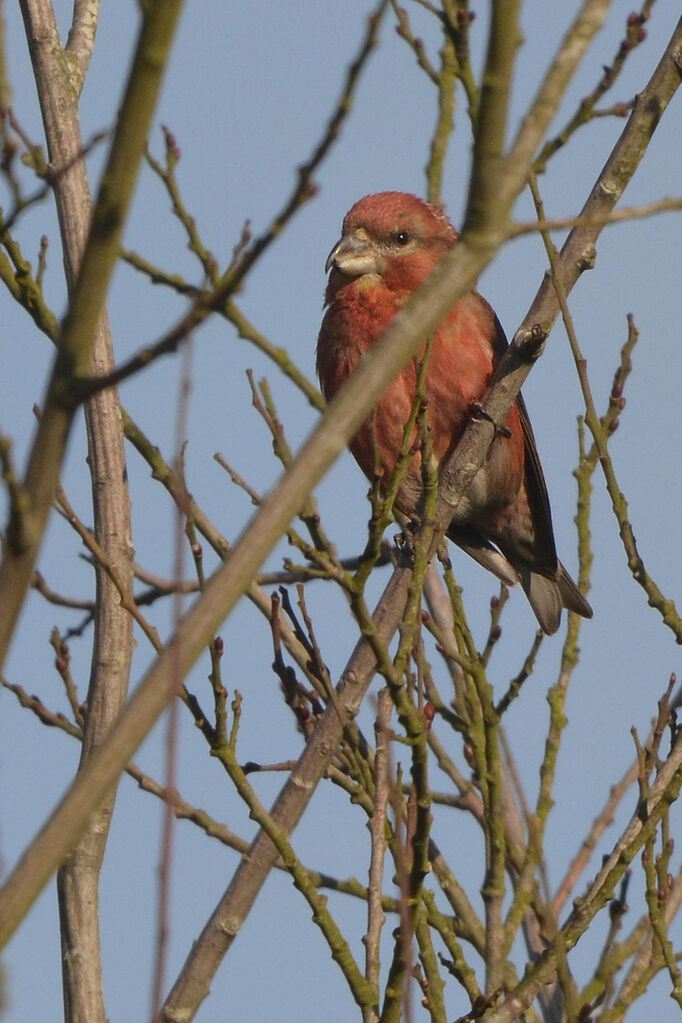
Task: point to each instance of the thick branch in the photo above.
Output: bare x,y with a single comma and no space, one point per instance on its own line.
56,72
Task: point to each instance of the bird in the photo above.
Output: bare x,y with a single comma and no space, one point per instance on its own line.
390,243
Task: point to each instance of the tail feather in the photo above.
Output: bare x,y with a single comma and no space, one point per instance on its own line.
544,596
571,596
548,597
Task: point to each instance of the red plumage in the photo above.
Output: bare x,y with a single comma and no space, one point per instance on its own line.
390,244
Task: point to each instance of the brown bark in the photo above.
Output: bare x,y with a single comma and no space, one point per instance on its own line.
78,877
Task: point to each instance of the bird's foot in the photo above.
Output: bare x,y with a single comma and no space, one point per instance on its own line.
405,540
478,412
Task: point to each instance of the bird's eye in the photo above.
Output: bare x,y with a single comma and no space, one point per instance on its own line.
402,238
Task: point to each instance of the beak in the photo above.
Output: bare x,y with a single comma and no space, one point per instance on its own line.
354,256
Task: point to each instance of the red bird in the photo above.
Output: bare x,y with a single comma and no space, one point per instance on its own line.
390,244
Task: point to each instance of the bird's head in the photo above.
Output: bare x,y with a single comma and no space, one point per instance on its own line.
393,236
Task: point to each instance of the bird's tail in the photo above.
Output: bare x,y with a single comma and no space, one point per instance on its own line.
547,594
548,597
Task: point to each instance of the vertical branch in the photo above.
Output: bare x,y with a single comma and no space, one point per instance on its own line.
78,878
81,41
490,772
433,984
377,826
55,71
447,79
175,687
491,122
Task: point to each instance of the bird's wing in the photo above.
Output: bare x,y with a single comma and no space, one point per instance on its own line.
538,499
536,488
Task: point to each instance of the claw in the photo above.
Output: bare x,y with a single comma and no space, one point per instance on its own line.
478,412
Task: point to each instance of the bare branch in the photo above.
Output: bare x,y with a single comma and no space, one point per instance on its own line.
81,39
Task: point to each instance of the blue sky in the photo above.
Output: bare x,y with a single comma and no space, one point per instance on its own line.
248,93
